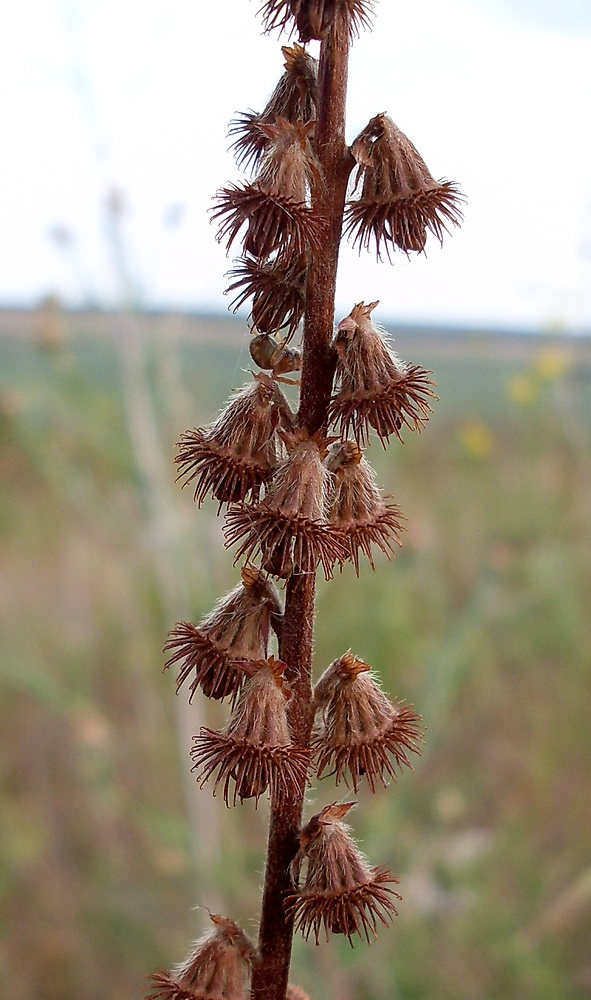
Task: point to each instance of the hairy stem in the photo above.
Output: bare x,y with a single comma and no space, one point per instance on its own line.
329,199
275,935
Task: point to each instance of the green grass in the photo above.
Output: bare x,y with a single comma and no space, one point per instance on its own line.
482,621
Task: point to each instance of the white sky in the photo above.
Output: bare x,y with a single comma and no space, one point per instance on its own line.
137,94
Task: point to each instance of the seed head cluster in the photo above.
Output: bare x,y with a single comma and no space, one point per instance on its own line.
219,654
359,732
357,507
293,100
255,751
339,892
298,495
240,450
399,201
219,965
315,19
375,388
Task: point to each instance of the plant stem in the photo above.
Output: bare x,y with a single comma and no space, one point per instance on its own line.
275,935
328,201
270,976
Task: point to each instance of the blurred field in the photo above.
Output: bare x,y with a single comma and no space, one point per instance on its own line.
482,621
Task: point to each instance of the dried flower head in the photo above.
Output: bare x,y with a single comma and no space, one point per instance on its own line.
289,166
294,98
221,650
274,221
266,352
374,386
340,891
357,507
399,200
277,288
255,751
274,206
316,18
359,731
219,966
239,451
289,526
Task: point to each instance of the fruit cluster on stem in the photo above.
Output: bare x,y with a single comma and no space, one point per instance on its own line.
299,495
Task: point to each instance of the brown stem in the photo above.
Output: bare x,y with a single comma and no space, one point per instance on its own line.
329,199
275,935
269,981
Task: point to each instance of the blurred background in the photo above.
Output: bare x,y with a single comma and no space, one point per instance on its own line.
114,339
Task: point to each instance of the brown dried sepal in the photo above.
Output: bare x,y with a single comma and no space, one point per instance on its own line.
289,528
375,388
274,221
255,751
266,352
316,18
340,892
219,965
347,911
165,986
246,771
215,672
222,649
239,451
294,99
289,166
287,545
357,508
399,201
277,288
359,732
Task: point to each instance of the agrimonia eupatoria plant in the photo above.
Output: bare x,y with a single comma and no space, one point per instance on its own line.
299,495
